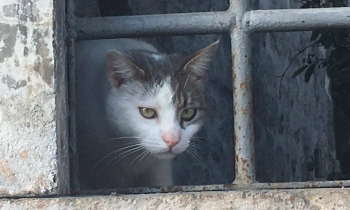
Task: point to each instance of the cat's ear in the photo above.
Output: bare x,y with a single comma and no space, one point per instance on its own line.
120,68
198,64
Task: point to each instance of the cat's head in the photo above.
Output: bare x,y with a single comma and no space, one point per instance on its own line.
158,99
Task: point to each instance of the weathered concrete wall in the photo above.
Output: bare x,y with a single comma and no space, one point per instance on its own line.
320,199
28,149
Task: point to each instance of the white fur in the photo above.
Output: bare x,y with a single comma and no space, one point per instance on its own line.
123,112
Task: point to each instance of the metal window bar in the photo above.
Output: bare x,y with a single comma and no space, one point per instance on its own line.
240,23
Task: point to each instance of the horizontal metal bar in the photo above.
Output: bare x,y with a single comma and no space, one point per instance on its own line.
211,22
221,187
154,25
296,19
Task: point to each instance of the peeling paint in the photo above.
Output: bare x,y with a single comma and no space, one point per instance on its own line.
44,61
12,83
23,30
28,11
8,39
9,10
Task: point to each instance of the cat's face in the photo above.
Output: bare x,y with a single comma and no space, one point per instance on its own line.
158,100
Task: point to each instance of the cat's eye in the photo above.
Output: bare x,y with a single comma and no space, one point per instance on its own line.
148,113
188,114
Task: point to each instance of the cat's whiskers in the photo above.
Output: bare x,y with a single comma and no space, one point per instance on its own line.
127,148
200,159
196,146
190,152
110,158
147,153
129,152
195,140
141,155
193,153
124,154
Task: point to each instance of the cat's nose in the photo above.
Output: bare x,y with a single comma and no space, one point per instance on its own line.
171,139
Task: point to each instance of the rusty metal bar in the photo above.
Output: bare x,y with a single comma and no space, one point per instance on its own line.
221,187
154,25
242,98
296,19
211,22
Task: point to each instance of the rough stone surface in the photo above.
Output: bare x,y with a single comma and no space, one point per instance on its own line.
316,199
28,149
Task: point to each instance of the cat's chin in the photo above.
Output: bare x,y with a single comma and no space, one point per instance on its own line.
165,155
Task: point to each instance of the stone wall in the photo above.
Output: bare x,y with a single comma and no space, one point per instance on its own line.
28,138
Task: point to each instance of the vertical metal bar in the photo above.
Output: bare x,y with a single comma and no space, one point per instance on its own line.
242,97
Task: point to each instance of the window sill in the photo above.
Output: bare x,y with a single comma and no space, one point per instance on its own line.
327,198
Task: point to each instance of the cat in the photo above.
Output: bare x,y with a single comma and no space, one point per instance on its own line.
136,109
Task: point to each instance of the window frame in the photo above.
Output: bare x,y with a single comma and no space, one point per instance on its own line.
240,23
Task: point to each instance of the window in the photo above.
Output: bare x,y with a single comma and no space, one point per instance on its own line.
240,24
